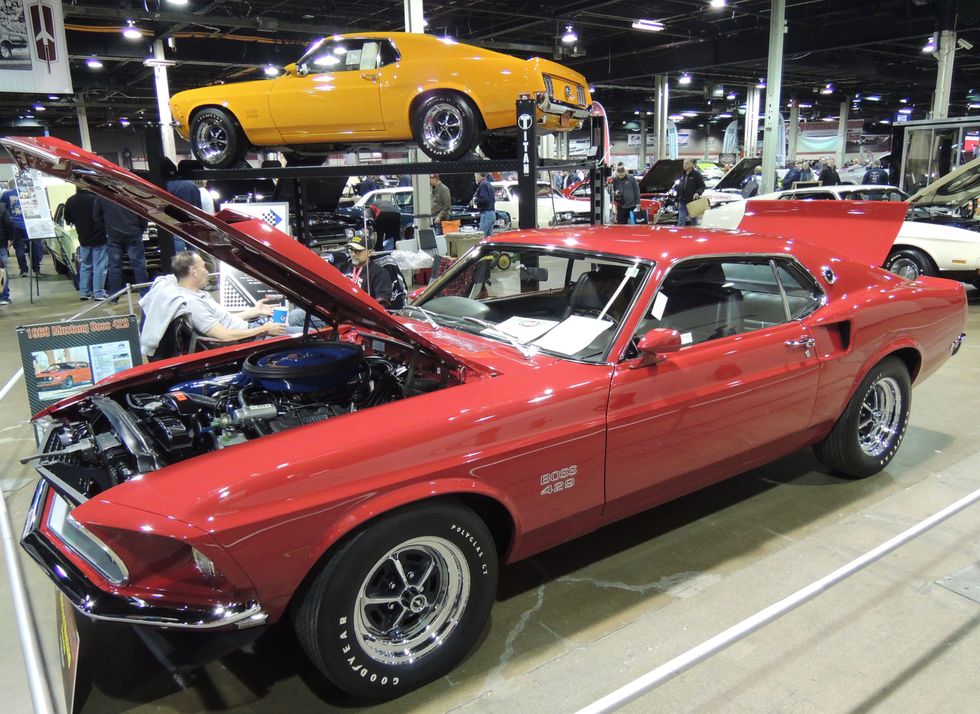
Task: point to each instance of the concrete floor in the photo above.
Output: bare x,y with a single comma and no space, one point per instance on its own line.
577,622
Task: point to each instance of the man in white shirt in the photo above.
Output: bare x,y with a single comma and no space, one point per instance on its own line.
210,318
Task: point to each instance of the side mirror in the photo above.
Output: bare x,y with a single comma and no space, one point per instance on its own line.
654,344
295,70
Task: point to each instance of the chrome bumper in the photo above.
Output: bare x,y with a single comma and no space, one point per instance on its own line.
553,106
94,602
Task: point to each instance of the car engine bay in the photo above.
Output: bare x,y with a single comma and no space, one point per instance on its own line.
105,440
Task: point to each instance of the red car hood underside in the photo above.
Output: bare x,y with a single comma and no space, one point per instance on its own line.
863,231
246,243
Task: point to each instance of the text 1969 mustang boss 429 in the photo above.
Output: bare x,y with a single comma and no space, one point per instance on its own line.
371,87
605,371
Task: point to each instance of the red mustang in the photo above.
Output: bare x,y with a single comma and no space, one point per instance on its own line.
367,480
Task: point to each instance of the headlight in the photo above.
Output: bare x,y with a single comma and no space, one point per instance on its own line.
349,232
89,548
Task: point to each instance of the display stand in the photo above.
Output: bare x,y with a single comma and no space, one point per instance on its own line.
526,164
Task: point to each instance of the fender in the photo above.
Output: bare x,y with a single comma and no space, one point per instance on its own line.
881,353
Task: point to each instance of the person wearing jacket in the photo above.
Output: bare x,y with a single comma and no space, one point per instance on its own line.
792,176
875,176
22,242
485,203
626,194
124,232
828,174
81,211
690,186
442,201
6,235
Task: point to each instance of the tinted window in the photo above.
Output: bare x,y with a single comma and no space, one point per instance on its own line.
816,196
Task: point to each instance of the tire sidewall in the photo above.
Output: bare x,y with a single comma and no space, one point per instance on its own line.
234,137
346,663
920,259
887,368
469,127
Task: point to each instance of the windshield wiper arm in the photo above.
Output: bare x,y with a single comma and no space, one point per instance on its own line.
523,349
425,313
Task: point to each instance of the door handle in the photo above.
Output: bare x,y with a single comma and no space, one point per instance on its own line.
370,77
806,343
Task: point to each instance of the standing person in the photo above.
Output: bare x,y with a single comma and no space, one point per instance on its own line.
792,176
207,200
751,187
81,210
626,194
806,173
6,234
690,186
11,201
486,203
405,180
558,180
183,189
828,174
442,201
387,223
124,232
875,176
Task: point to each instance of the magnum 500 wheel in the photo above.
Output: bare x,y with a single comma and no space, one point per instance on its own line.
216,139
400,603
444,127
870,430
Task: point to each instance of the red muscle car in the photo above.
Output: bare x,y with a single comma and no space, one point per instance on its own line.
63,375
606,371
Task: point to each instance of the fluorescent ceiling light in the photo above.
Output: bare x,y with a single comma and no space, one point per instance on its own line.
689,115
648,25
40,108
684,79
569,37
873,97
718,3
179,3
93,63
904,111
885,121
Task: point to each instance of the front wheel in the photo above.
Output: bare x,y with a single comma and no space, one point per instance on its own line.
867,435
216,139
401,602
6,51
445,127
909,263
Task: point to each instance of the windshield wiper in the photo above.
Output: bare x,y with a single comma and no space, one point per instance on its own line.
523,349
425,313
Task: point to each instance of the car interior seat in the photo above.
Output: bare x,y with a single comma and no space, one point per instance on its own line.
177,339
700,302
594,289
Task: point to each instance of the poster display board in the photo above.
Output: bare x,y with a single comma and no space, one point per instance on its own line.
33,52
34,204
63,358
239,290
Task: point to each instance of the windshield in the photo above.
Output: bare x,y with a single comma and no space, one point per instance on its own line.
565,303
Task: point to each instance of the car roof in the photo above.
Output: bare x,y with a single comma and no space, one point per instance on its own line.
662,244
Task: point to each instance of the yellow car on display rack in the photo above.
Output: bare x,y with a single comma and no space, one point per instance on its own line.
365,88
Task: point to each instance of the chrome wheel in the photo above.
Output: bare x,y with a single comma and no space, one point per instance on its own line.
411,600
880,418
443,127
212,140
906,268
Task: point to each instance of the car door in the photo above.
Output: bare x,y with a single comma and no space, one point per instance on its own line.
334,94
739,392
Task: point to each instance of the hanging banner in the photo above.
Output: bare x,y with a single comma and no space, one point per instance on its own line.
34,207
33,50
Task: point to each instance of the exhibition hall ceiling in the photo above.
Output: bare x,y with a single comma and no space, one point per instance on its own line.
866,52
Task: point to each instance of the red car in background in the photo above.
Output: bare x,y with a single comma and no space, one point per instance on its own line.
582,190
605,371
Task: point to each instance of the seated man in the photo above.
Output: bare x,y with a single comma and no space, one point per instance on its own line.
207,316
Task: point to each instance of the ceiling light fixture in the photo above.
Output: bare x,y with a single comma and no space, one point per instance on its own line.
761,84
725,115
828,89
689,115
179,3
53,97
873,97
569,37
93,63
675,117
123,121
885,121
131,32
732,96
648,25
905,111
684,79
930,45
40,108
718,4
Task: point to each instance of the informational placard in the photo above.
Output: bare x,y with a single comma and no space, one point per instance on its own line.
239,290
63,358
33,51
34,204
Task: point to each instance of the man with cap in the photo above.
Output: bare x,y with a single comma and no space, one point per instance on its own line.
373,278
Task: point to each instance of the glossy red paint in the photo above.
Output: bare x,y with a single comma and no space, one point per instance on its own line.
618,439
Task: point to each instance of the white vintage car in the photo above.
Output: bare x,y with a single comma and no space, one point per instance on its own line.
931,241
553,208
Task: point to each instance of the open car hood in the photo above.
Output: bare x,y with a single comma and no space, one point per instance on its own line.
738,173
661,176
955,188
249,244
863,231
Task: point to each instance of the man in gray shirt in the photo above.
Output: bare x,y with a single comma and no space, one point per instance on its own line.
441,201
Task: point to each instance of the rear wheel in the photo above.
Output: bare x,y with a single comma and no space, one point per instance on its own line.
445,127
6,51
869,432
216,139
910,263
401,602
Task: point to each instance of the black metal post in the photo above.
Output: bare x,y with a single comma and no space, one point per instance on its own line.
598,171
527,158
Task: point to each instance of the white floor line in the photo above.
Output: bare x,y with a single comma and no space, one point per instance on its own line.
37,681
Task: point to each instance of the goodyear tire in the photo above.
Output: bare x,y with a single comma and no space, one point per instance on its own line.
910,263
401,602
867,435
216,138
445,127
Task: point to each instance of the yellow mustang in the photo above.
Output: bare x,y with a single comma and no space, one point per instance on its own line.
370,87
